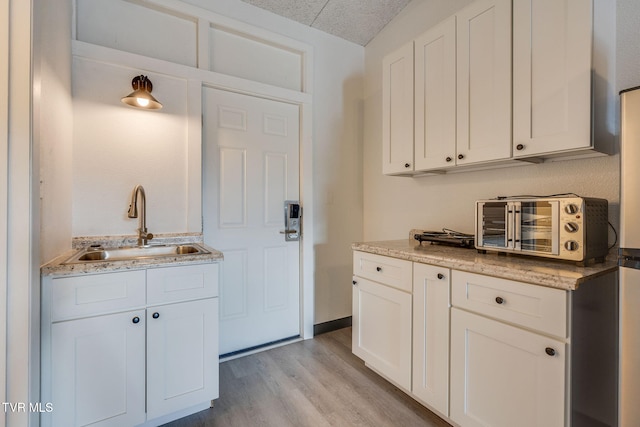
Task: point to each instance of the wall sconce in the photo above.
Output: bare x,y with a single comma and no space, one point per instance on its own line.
141,96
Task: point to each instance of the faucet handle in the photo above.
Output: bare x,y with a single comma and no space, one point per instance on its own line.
149,236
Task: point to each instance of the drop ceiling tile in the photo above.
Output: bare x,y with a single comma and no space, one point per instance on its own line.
357,20
303,11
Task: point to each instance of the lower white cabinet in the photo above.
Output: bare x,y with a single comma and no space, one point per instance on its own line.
111,360
431,336
180,351
483,351
506,367
504,376
382,329
381,334
98,371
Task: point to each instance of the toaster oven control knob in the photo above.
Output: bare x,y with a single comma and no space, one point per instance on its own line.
571,209
571,245
571,227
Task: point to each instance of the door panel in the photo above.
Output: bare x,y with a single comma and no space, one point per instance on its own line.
251,148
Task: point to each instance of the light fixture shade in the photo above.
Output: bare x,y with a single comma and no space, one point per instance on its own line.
141,96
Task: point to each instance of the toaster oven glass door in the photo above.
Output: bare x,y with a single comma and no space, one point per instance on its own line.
536,226
494,223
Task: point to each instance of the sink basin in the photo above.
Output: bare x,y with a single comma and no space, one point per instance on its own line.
134,252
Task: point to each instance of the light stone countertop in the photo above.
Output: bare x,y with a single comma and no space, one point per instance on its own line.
538,271
56,267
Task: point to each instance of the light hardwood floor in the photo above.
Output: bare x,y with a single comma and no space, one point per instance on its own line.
316,382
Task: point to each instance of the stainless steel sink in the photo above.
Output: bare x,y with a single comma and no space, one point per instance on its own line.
134,252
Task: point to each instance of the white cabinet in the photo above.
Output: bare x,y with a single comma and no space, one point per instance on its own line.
501,373
461,78
129,348
551,76
503,376
397,111
97,371
181,355
484,82
435,97
431,336
381,334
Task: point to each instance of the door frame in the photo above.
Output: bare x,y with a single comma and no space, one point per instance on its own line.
307,260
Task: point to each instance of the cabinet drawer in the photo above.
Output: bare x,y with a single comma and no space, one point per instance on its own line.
90,295
182,283
397,273
536,307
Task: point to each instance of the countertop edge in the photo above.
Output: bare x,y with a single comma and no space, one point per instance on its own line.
56,267
560,276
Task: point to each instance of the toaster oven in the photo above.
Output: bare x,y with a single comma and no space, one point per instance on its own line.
568,228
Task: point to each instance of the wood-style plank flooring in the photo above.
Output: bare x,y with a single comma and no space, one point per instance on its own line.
313,383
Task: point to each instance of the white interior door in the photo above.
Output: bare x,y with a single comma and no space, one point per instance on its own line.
251,148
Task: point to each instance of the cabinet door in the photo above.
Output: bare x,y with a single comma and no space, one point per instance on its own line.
551,75
182,356
484,81
397,111
435,97
97,371
502,376
431,336
382,329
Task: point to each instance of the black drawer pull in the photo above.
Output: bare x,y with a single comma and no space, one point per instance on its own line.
550,351
136,319
354,283
500,300
378,269
440,276
155,315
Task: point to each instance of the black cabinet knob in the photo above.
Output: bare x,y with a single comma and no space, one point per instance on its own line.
550,351
407,165
136,319
519,147
378,269
460,156
499,300
155,315
354,283
448,159
440,276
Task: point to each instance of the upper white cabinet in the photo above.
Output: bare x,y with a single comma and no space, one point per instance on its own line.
484,82
551,76
479,100
397,111
435,97
449,102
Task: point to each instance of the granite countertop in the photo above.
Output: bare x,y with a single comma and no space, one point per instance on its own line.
538,271
57,266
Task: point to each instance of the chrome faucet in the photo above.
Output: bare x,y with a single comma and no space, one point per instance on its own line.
143,235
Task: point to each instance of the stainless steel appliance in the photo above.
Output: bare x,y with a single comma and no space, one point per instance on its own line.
629,259
569,228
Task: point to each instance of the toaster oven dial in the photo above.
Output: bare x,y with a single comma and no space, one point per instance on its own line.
571,245
571,209
571,227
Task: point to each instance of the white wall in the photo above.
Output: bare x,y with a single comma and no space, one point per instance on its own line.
53,125
394,205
